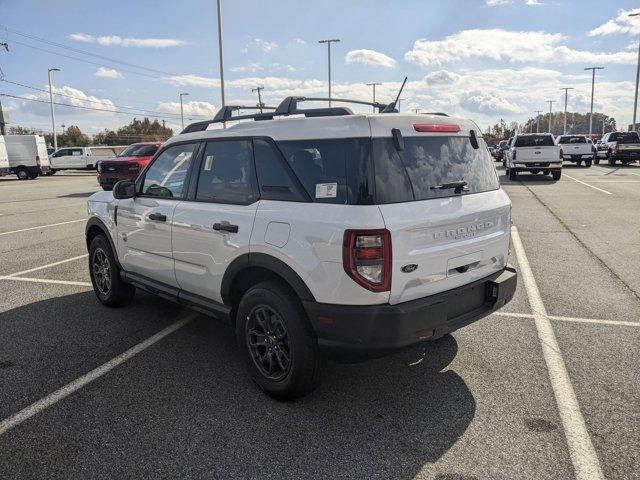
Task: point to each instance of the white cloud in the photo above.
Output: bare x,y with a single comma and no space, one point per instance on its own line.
623,23
482,102
495,3
193,81
111,40
441,77
504,45
69,96
299,41
108,73
190,108
252,68
260,44
370,57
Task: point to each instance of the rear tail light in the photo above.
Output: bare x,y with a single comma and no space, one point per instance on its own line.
513,154
366,257
38,160
436,128
561,153
617,148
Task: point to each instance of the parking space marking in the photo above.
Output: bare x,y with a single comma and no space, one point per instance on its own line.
44,266
583,455
585,183
47,280
44,226
63,392
570,319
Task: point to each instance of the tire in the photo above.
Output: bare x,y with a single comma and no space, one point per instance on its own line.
107,188
277,341
579,163
22,174
596,160
556,174
108,285
612,161
33,175
587,163
513,175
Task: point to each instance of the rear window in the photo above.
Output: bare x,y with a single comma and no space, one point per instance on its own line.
624,137
427,162
534,141
566,140
331,170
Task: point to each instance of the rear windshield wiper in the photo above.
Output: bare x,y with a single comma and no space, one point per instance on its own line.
459,186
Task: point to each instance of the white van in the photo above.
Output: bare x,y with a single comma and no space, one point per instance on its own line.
28,156
4,159
80,158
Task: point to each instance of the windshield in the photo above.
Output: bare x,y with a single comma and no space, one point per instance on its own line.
534,141
576,139
137,150
426,163
624,137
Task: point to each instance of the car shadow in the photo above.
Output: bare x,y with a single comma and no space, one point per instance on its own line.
196,409
524,178
78,195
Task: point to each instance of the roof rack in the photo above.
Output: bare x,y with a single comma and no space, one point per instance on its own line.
289,106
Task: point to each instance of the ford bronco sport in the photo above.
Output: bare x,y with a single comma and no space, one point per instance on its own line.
312,231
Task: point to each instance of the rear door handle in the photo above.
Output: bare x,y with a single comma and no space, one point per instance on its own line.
225,226
158,217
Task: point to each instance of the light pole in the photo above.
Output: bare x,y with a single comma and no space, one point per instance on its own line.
635,101
538,112
257,89
53,113
400,103
374,92
593,82
566,98
220,53
181,109
328,42
550,102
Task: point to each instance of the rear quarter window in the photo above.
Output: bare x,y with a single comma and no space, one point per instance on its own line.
427,162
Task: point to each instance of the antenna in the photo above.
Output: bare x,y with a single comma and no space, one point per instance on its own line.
392,106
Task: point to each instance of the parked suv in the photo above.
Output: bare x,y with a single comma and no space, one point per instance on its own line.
127,165
351,235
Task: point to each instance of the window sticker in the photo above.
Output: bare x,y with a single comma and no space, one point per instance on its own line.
208,163
326,190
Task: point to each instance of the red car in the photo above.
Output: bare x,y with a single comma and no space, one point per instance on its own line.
127,165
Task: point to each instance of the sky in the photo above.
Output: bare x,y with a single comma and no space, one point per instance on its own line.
482,59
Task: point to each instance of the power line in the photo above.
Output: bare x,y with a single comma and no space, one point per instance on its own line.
142,111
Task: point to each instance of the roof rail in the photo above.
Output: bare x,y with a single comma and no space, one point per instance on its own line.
225,114
441,114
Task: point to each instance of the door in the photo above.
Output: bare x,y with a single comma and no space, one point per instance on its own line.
145,221
215,228
59,158
76,158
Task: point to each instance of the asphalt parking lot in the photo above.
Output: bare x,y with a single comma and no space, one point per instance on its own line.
547,388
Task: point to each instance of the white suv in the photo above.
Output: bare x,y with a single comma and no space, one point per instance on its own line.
340,233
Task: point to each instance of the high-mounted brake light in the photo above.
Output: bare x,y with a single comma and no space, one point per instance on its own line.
366,258
436,127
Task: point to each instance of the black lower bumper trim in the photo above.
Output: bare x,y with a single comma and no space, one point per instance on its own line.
379,329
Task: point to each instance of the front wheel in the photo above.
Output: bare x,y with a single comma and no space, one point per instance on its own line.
277,341
22,174
108,286
596,160
513,175
612,161
556,174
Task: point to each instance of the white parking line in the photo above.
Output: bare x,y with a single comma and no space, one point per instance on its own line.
583,456
47,280
63,392
570,319
585,183
43,226
44,266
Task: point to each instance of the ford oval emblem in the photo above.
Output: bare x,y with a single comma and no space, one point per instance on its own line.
412,267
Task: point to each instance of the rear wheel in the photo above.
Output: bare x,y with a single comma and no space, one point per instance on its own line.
22,174
596,160
108,286
587,163
33,175
277,341
556,174
579,162
513,175
612,161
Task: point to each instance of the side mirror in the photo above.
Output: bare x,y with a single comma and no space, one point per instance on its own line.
124,189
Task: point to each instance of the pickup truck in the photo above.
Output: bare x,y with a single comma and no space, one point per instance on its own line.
623,146
534,153
81,158
576,149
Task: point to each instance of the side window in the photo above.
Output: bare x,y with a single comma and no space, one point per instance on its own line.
166,176
227,174
275,180
61,153
76,152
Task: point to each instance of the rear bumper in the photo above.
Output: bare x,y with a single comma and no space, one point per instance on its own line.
629,156
542,166
577,158
374,330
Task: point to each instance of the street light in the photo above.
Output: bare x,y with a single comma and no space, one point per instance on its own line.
538,121
550,102
260,104
593,82
181,109
328,42
400,103
220,53
53,113
374,92
566,97
635,101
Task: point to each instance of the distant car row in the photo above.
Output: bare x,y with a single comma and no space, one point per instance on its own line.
543,153
27,157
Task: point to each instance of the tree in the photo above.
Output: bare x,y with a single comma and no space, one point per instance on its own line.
144,131
577,123
73,137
